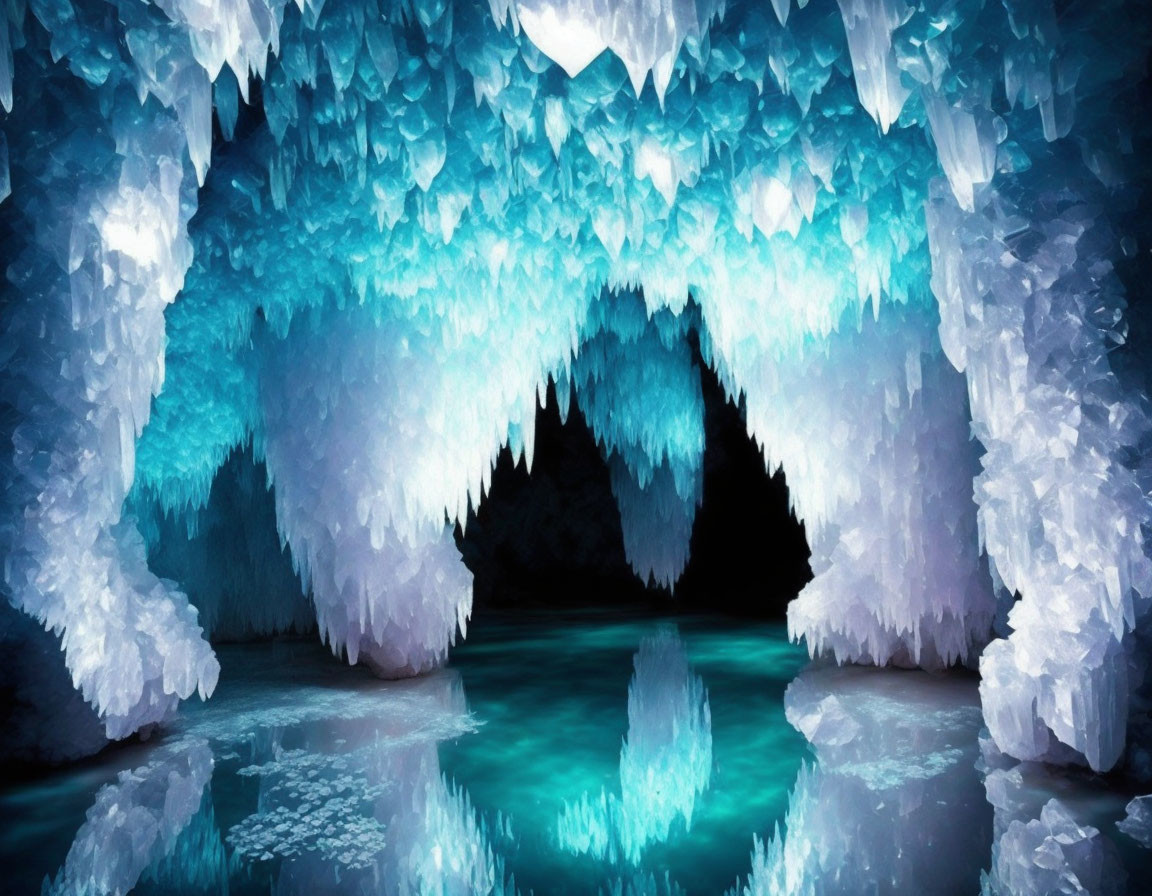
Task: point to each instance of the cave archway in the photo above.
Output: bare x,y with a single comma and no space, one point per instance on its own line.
552,537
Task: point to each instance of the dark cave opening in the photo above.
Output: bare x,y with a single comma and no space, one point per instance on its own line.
552,537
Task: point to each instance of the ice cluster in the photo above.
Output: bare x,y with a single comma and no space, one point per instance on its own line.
361,238
665,762
1137,821
1043,843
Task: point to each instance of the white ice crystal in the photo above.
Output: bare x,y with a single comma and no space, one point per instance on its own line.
1137,821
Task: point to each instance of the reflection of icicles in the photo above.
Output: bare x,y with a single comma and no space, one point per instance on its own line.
351,797
1043,843
362,806
641,884
1052,854
893,803
1137,822
198,861
136,821
665,763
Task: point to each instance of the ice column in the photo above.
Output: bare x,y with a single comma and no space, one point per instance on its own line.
348,438
104,193
1030,308
106,251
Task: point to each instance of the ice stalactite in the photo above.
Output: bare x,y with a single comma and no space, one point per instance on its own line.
646,37
639,389
872,430
388,587
429,209
869,25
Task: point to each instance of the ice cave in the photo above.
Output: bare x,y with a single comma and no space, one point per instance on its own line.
638,447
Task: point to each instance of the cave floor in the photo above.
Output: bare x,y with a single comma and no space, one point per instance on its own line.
503,773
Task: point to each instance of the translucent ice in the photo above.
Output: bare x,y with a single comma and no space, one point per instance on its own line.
136,821
1137,822
1043,843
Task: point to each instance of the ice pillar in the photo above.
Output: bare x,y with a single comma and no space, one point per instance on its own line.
1030,308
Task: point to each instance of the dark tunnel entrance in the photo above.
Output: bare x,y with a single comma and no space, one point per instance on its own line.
552,538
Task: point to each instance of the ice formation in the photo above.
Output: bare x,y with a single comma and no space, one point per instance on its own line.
893,802
226,555
1137,822
362,238
136,821
665,762
1042,843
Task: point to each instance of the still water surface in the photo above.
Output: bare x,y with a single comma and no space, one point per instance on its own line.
570,754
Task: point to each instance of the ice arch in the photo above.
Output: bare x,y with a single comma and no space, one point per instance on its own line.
411,217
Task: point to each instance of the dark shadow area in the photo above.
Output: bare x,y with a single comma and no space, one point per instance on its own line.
552,538
228,558
749,554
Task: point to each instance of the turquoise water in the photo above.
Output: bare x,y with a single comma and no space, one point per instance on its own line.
554,708
557,754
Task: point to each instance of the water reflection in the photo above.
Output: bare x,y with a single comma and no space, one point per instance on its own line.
349,798
1049,830
665,762
303,778
893,802
137,821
